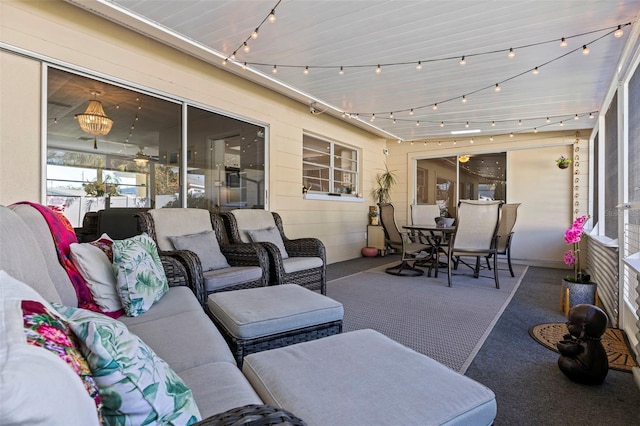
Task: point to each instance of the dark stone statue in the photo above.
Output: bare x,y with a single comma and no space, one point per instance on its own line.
582,356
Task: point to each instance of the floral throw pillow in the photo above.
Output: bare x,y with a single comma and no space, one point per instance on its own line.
137,386
140,277
48,331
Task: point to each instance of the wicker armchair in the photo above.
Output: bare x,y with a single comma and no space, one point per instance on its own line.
248,263
306,263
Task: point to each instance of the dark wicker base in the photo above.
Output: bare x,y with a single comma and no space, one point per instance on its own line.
244,347
255,415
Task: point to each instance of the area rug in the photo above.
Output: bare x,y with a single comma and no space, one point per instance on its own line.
614,340
448,324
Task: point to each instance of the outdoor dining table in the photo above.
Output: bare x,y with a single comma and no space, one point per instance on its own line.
434,235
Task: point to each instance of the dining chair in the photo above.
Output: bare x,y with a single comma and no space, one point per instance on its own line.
411,248
504,236
424,214
476,227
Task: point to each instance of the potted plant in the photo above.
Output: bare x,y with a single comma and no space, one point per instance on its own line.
577,288
384,182
373,217
563,162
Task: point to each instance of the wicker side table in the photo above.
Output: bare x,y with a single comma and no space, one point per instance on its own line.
254,415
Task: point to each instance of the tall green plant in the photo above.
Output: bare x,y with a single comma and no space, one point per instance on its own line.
384,181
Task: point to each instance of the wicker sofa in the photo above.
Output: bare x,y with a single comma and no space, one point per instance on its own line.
417,390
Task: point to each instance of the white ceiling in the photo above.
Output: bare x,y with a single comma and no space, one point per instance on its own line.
358,35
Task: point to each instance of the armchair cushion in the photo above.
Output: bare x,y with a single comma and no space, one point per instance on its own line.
268,235
228,277
205,246
140,275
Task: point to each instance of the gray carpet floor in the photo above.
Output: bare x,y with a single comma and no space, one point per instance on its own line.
448,324
529,388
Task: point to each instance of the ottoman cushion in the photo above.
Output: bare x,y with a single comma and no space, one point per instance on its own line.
263,311
364,378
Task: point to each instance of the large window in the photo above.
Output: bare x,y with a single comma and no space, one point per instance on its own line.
137,160
329,167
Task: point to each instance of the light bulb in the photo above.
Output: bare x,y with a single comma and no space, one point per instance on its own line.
244,66
464,99
419,66
511,134
378,69
548,120
391,115
246,47
306,70
618,33
394,121
466,124
275,69
511,53
519,122
498,87
411,111
435,107
233,55
272,16
561,123
493,124
341,72
417,123
591,115
471,141
535,130
563,42
442,124
373,118
224,62
254,34
535,70
585,50
462,61
576,117
490,138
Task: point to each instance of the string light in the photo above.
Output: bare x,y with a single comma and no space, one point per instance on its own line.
411,111
497,89
563,42
419,66
591,115
275,69
618,33
442,124
435,107
246,47
341,72
254,34
511,53
306,70
378,69
463,61
585,50
535,71
272,15
464,99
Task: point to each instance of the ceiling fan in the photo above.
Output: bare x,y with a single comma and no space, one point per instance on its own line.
141,159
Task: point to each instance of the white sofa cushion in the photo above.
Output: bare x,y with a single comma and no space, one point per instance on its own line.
38,387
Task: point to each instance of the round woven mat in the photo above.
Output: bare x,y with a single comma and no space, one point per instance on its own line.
614,341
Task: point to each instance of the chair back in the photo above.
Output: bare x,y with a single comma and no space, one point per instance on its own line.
424,214
388,221
177,222
508,215
477,224
252,219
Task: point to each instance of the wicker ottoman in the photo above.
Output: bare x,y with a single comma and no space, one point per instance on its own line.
364,378
262,318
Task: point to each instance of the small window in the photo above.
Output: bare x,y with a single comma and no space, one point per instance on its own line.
329,167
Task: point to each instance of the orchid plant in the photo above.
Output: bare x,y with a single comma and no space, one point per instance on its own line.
572,236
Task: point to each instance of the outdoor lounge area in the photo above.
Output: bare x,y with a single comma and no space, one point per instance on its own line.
319,212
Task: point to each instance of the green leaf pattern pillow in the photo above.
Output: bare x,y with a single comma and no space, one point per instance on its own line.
137,386
140,277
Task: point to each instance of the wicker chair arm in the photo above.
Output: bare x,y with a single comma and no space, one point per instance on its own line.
305,247
175,271
191,264
254,415
248,254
